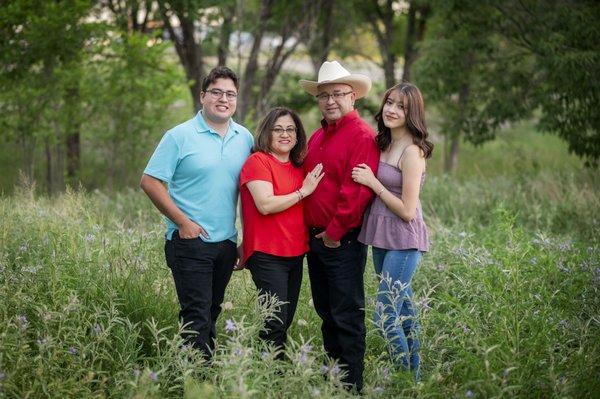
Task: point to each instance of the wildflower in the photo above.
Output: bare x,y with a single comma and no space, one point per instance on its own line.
533,260
335,370
97,328
2,375
324,369
264,355
303,358
32,269
306,348
227,305
153,376
469,394
378,390
23,248
386,373
136,372
315,392
302,322
230,325
22,322
597,275
90,237
371,301
238,352
72,350
42,342
462,234
311,303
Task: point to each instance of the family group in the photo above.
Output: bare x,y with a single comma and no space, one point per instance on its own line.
327,197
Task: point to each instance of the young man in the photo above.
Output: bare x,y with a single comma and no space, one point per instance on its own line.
200,162
336,260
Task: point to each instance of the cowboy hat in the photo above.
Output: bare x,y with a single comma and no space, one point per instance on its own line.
334,72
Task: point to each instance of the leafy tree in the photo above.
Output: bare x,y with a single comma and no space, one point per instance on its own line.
484,65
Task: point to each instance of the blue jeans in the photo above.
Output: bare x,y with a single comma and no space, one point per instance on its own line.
395,313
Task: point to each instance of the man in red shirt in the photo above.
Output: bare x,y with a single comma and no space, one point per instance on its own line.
334,212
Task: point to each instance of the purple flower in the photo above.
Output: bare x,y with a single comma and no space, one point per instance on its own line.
90,237
22,322
230,325
335,370
303,359
597,275
264,355
469,394
153,376
306,348
97,328
23,248
72,350
324,369
2,375
238,352
386,373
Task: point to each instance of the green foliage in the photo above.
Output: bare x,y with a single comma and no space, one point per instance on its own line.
128,96
508,297
486,63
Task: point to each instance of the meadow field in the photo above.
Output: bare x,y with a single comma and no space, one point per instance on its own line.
509,295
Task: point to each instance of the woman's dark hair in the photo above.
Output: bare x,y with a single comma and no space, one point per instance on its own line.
220,72
414,111
265,134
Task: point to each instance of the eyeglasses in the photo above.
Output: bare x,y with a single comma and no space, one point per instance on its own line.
218,94
279,131
324,97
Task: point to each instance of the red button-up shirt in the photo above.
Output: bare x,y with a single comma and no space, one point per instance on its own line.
338,203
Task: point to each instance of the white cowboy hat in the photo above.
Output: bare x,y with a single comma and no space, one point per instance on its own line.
334,72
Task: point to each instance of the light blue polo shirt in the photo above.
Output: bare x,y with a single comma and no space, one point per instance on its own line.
202,172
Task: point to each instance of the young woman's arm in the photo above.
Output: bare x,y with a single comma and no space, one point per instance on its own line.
267,203
413,165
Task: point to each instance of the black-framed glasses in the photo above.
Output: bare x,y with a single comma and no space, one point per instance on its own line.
289,130
218,93
324,97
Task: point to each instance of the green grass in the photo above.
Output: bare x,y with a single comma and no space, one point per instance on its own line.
509,295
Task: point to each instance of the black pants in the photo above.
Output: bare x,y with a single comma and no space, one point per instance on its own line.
337,285
280,276
201,271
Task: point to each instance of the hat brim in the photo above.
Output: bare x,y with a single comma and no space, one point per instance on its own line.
361,84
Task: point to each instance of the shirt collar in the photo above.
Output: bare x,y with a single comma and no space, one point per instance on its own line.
203,127
344,120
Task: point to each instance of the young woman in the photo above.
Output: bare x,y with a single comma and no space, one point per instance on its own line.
275,236
393,224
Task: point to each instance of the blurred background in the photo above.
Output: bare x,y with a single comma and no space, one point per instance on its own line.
89,87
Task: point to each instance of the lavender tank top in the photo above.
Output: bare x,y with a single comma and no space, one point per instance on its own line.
382,228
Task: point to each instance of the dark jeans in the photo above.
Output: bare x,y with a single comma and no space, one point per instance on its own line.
201,271
280,276
338,290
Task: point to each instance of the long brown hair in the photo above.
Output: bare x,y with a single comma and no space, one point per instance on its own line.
414,110
265,134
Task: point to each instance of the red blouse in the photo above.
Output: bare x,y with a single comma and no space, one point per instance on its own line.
283,233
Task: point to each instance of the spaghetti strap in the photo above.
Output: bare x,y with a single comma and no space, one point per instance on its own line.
401,155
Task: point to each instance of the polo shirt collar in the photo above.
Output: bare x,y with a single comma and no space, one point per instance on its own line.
344,120
202,127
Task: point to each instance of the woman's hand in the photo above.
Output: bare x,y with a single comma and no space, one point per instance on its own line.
311,180
363,174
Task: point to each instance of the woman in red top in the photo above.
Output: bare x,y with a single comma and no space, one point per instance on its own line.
272,186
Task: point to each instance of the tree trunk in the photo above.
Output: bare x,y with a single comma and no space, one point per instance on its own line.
224,35
451,156
318,38
73,137
252,65
49,170
188,50
385,35
415,32
451,159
